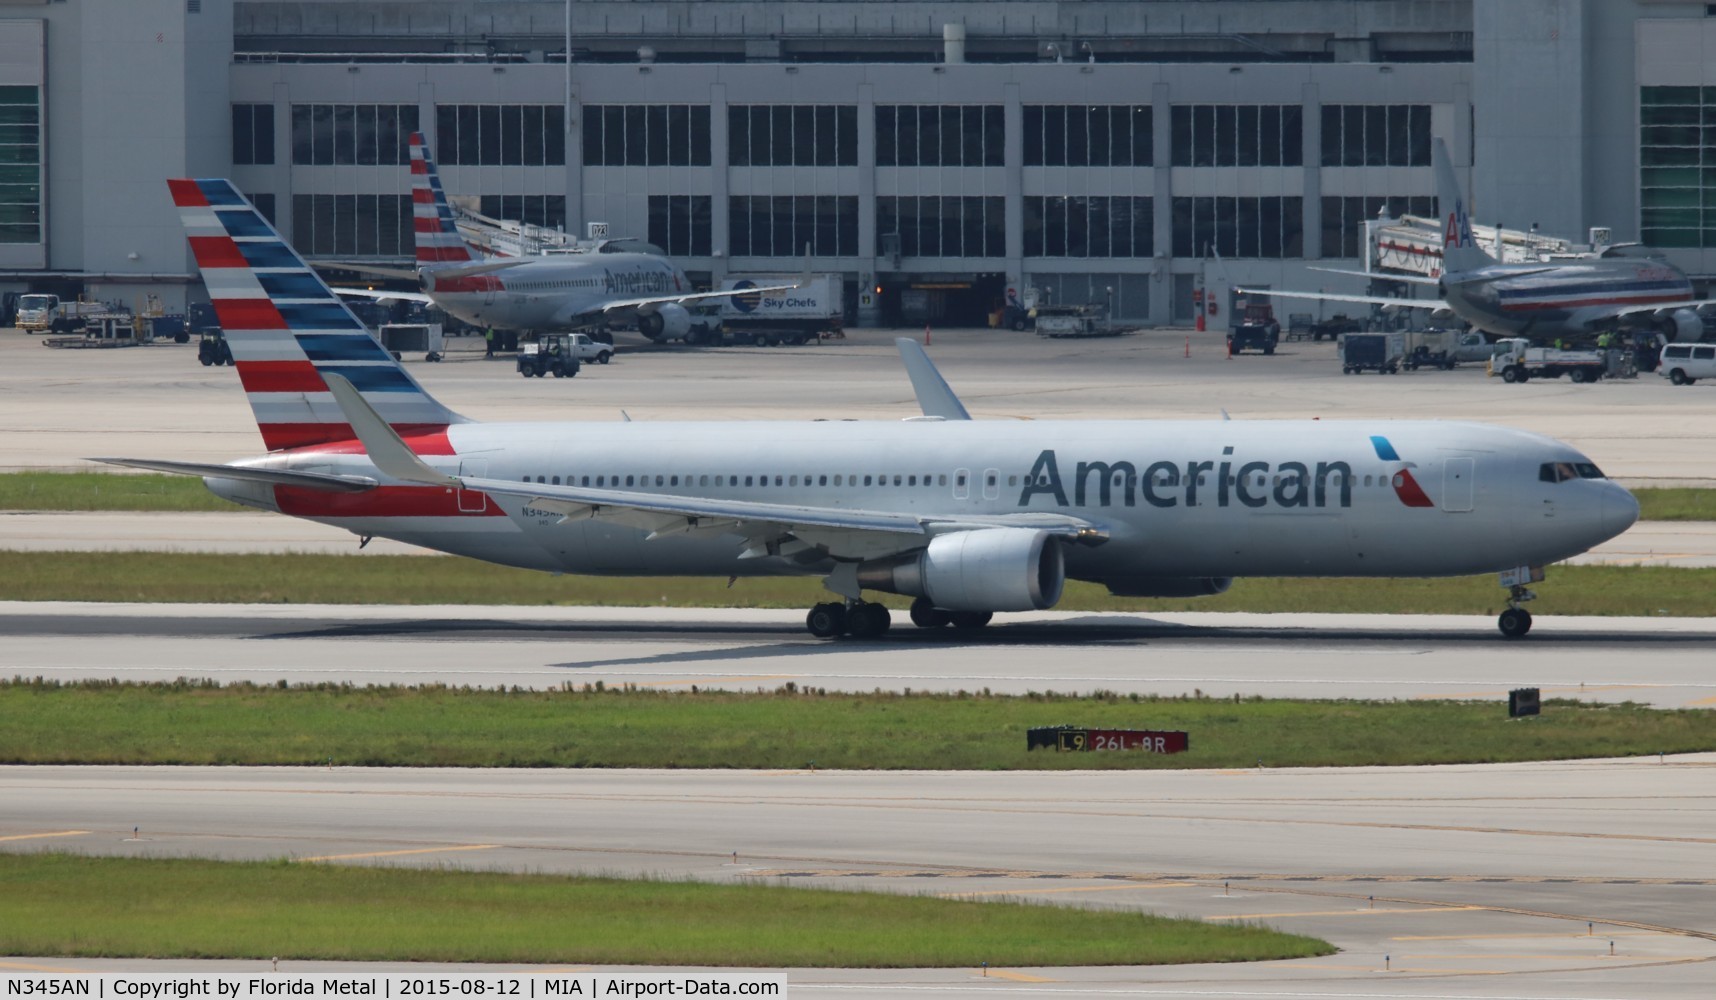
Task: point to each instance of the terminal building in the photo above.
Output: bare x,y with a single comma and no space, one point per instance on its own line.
936,154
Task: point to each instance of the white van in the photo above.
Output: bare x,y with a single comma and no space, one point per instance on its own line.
1684,364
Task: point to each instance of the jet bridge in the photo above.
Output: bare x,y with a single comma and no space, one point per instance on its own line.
1412,245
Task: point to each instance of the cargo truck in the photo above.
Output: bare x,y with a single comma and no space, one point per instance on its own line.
814,310
1517,361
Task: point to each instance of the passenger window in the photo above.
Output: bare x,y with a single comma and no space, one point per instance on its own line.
911,480
896,479
748,480
837,480
778,480
959,480
942,478
658,481
673,481
866,480
554,480
823,481
629,480
540,479
732,480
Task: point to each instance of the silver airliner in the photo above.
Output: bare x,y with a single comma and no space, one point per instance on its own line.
1568,299
969,517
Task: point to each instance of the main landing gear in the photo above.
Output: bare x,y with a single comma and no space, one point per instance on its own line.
859,619
1516,621
863,620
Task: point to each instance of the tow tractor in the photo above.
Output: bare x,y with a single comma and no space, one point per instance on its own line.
552,354
1256,330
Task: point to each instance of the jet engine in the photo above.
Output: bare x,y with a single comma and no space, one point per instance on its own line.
670,320
1168,586
987,569
1683,325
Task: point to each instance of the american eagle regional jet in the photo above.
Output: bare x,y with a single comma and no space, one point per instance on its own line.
1575,298
551,292
969,517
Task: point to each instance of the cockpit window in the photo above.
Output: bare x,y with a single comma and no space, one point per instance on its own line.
1560,472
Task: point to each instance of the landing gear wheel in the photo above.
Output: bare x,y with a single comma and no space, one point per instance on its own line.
867,621
1514,622
826,621
927,615
970,619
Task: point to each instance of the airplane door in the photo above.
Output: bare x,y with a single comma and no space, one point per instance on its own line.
1457,475
961,484
991,484
470,501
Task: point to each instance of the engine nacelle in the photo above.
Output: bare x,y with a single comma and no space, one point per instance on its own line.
1168,586
989,569
669,321
1684,325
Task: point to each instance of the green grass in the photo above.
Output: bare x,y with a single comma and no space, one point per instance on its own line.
107,491
155,492
58,904
46,722
354,579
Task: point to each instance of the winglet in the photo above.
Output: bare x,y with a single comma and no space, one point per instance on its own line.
935,397
386,449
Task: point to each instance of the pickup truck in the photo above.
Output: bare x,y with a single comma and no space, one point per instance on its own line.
1445,348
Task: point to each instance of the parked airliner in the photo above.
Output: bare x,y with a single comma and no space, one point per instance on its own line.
550,292
1568,299
969,517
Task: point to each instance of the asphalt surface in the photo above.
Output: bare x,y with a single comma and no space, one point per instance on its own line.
1474,881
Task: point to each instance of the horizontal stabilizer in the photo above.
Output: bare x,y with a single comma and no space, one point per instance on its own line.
276,477
1410,279
386,449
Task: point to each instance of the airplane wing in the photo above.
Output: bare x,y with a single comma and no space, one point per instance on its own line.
1411,279
1374,300
274,477
657,300
385,296
1656,307
765,526
935,396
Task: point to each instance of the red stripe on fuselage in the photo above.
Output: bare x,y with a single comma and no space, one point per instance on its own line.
338,438
475,283
248,314
187,194
385,501
1623,300
216,251
280,376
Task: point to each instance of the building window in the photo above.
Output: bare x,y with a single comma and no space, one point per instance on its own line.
639,135
1343,219
913,135
1376,135
1095,226
1076,135
1238,135
1127,295
781,226
546,210
363,134
367,225
500,135
252,134
1677,166
679,224
264,202
1239,227
934,226
784,135
20,164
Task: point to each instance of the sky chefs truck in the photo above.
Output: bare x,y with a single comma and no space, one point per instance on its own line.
793,316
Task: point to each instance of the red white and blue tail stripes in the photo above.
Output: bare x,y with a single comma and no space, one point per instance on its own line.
286,328
438,239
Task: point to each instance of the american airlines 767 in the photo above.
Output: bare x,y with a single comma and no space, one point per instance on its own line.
969,517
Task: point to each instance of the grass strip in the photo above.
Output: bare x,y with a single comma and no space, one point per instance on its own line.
61,491
197,722
208,578
60,904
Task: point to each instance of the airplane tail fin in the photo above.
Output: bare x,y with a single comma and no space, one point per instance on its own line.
1460,250
287,329
438,239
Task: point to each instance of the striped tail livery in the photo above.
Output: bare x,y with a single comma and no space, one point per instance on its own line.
287,329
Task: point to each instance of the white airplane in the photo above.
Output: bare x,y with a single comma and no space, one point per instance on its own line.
1620,290
552,292
969,517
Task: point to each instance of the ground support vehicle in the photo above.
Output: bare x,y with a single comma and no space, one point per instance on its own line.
1257,329
1517,361
39,312
1438,348
1383,353
552,354
1333,327
109,328
401,338
1075,321
212,348
1684,364
805,314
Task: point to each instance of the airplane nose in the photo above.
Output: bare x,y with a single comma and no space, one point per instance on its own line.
1620,510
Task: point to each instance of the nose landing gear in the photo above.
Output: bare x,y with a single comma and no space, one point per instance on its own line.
1516,621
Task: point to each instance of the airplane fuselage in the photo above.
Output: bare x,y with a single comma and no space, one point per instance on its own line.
1176,499
554,291
1563,301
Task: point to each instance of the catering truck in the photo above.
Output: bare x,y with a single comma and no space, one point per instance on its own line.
813,310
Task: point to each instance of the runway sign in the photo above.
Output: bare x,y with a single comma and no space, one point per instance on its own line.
1073,738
